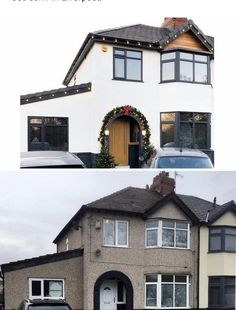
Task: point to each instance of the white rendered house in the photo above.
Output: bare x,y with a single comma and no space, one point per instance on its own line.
128,88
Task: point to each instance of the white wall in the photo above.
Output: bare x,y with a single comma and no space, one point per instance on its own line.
87,111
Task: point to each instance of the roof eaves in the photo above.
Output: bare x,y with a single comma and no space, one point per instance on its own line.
40,260
56,93
221,210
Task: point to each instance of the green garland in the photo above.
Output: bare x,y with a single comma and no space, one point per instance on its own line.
119,111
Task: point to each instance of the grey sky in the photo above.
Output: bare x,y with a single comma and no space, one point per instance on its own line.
35,206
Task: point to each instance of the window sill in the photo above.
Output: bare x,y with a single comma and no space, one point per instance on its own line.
187,82
212,252
126,80
165,247
116,246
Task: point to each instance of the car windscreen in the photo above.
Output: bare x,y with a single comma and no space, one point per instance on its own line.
183,162
49,307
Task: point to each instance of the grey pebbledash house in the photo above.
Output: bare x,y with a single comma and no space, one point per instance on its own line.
128,88
136,249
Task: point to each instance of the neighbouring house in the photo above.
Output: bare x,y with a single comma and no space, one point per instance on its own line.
129,89
136,249
1,293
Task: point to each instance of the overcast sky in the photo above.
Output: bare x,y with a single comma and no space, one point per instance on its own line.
40,39
35,205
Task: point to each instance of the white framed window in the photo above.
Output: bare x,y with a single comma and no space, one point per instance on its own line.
167,233
166,291
115,233
46,288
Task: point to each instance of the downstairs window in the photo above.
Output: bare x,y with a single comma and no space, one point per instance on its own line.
46,288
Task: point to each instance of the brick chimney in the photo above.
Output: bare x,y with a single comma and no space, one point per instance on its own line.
163,184
173,22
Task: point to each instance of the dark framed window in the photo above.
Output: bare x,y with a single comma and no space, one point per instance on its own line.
222,292
127,64
222,239
185,67
48,133
186,129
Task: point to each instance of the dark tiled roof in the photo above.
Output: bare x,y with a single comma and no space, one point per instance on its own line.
139,32
55,93
40,260
198,206
217,212
130,199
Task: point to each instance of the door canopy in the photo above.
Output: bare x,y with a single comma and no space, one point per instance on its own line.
130,112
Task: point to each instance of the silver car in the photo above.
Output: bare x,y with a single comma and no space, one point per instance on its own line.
50,159
169,157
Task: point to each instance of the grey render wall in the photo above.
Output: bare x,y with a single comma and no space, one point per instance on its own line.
71,270
136,261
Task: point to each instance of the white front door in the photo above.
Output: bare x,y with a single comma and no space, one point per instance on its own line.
108,295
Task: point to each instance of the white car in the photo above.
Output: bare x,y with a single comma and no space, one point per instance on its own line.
50,159
169,157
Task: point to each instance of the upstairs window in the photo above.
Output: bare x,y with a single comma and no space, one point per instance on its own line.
115,233
46,288
127,65
185,67
167,233
222,239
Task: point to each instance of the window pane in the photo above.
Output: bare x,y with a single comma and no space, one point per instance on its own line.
200,73
55,288
119,52
167,295
181,238
215,296
167,117
168,56
119,68
186,56
167,279
181,225
56,137
122,233
180,279
167,133
229,298
57,121
152,237
230,243
151,295
198,117
151,224
186,135
200,136
168,224
215,230
168,237
35,134
200,58
231,231
215,243
151,278
36,121
180,295
36,288
133,69
134,54
186,71
168,71
109,232
186,116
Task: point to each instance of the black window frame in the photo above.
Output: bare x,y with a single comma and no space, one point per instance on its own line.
125,57
177,123
42,126
177,60
222,284
222,234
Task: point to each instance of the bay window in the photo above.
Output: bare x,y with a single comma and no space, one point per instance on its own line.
115,233
166,291
222,239
167,233
185,67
